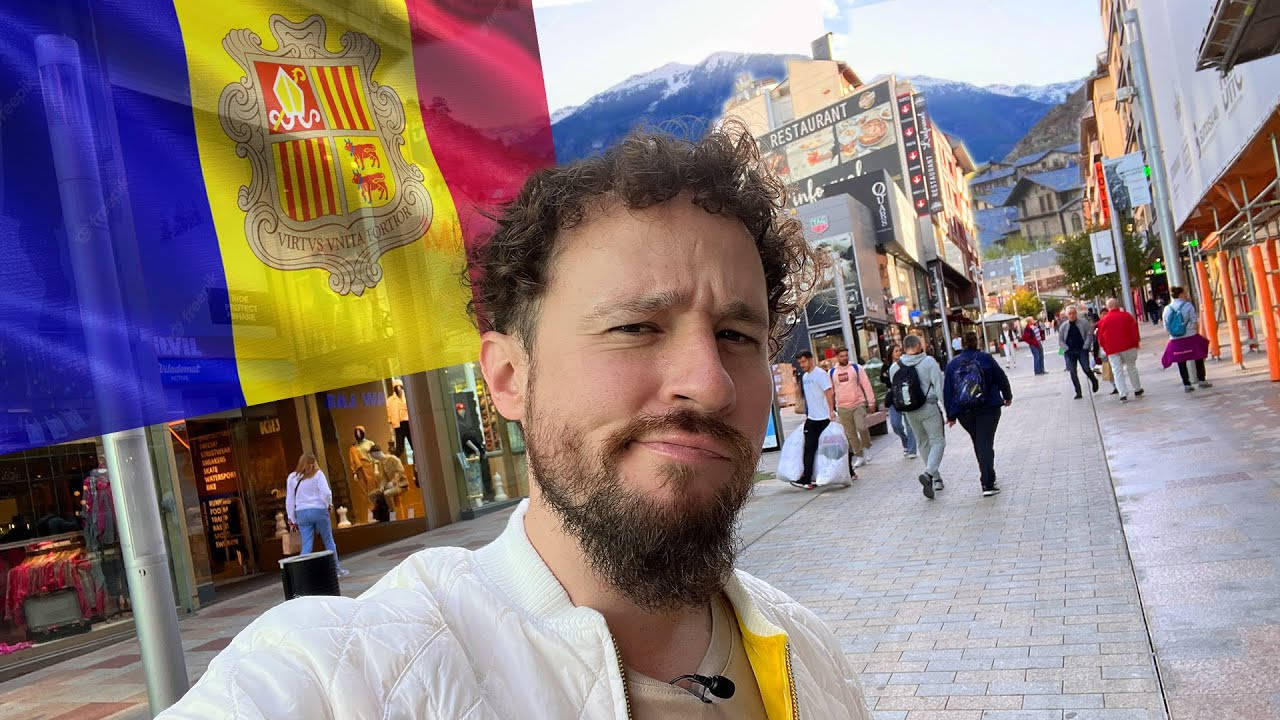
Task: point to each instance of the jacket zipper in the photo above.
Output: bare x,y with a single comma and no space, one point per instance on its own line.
791,677
622,673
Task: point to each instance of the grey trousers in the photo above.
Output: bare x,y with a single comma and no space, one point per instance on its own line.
931,440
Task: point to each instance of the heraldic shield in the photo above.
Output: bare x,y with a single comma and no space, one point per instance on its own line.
329,187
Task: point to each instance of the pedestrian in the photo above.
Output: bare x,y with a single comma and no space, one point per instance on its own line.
307,502
1152,307
854,399
896,419
638,270
1118,335
1033,337
1186,344
974,391
916,384
1076,335
819,408
1098,360
1010,341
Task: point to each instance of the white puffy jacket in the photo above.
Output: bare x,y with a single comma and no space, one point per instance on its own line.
451,633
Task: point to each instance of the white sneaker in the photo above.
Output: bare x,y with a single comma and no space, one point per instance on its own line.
344,572
911,456
859,461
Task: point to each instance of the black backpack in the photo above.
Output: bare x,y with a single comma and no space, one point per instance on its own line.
907,393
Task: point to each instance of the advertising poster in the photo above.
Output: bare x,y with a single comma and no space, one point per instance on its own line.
1104,252
914,153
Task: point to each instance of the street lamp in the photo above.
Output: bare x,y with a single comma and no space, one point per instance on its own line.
976,271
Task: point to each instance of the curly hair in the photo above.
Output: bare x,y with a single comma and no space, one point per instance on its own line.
721,172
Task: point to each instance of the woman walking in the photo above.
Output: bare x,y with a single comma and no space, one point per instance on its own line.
1186,344
896,420
308,500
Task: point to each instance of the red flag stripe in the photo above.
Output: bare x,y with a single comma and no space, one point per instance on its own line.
336,79
290,208
354,89
315,178
323,76
296,152
328,174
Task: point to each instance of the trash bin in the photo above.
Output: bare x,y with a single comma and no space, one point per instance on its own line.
311,574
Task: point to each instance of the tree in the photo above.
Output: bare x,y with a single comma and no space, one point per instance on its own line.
1052,306
1024,302
1075,255
1008,246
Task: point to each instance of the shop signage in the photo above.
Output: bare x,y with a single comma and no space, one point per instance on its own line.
1127,179
853,137
872,191
924,124
1104,252
914,153
216,472
819,224
1101,179
270,426
223,528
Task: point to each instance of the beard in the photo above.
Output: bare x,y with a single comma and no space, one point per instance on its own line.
657,554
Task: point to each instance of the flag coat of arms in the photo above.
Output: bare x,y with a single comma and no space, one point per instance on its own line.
210,205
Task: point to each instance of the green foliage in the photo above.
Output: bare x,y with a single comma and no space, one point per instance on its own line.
1075,255
1024,302
1010,246
1053,306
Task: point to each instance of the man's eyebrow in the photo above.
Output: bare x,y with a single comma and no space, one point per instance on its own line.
655,302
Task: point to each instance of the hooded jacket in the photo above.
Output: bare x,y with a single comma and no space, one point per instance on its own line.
490,634
928,370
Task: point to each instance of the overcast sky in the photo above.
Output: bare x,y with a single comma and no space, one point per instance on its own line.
590,45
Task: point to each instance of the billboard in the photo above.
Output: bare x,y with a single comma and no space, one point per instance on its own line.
853,137
924,125
1127,181
1204,119
1104,252
914,153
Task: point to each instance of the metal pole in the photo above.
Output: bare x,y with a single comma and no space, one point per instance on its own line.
1155,153
842,302
92,256
942,308
1117,239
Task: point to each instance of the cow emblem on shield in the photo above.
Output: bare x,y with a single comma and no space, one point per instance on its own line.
329,187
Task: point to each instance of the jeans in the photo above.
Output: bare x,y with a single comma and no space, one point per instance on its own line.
812,431
854,422
981,426
1186,378
926,424
897,421
1124,367
1081,358
316,520
1037,359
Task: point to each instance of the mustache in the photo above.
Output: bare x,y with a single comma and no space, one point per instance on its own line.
739,448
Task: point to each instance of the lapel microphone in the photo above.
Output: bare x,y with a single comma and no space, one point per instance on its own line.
718,685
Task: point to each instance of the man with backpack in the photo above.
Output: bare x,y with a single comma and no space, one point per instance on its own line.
974,391
916,383
854,399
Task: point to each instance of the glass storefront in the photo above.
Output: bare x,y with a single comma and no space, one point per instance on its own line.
489,452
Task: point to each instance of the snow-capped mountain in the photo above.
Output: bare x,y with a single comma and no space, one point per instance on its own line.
989,119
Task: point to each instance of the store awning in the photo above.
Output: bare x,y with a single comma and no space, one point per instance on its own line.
1240,31
998,317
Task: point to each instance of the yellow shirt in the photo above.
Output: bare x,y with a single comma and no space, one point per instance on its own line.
653,699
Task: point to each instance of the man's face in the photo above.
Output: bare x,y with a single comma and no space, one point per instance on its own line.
842,358
1072,315
806,363
648,392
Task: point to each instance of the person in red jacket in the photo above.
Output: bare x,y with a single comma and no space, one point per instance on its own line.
1117,333
1032,334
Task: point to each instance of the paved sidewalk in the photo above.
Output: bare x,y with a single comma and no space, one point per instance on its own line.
1198,480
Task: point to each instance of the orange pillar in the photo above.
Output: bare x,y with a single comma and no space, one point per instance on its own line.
1262,289
1273,267
1229,306
1208,318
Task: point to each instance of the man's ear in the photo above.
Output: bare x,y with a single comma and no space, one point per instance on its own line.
505,366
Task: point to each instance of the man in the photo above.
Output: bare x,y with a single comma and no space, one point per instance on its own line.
819,408
1152,306
1077,338
926,420
1117,333
974,392
854,399
1033,336
659,274
1009,342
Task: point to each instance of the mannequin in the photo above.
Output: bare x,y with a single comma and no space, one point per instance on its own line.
472,441
359,461
393,482
100,532
398,418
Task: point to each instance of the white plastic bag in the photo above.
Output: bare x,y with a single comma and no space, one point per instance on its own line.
831,465
791,461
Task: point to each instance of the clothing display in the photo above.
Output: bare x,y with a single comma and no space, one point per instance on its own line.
361,462
47,571
99,511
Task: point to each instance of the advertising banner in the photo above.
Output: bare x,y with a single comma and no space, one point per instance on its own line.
213,205
924,125
1204,119
1127,181
916,186
850,138
1104,252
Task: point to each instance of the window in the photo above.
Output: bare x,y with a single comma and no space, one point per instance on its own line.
1044,204
1076,225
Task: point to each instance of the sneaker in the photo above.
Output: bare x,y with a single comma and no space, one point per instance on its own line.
802,486
990,492
1124,398
937,485
1115,391
1078,396
911,455
859,461
926,482
343,572
1188,388
1138,393
1095,385
1205,384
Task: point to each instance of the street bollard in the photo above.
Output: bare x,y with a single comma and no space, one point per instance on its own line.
311,574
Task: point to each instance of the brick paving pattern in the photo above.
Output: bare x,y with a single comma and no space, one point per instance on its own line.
1020,607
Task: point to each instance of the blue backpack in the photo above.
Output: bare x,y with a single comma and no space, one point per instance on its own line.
1175,324
971,385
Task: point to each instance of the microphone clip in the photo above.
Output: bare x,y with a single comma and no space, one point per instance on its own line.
717,685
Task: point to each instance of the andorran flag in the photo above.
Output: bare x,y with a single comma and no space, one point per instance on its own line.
208,205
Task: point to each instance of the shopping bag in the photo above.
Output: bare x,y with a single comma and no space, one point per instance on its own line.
831,465
791,461
1105,368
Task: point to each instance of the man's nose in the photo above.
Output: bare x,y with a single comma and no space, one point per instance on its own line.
695,375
